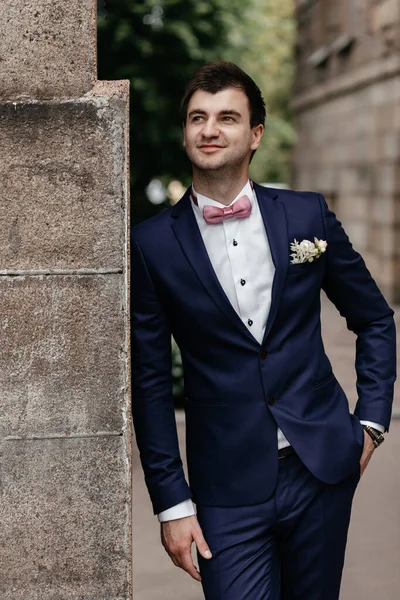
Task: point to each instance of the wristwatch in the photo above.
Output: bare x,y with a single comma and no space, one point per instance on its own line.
377,436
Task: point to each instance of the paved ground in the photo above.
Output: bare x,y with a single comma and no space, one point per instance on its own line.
373,553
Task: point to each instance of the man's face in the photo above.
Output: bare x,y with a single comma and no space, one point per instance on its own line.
217,133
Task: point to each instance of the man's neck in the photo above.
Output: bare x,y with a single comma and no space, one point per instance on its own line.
218,188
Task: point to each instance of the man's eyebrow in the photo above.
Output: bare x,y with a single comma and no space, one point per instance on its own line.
230,112
199,111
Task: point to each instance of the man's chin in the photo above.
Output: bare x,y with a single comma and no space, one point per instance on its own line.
216,164
208,165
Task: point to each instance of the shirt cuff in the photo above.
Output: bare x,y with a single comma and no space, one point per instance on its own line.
179,511
374,425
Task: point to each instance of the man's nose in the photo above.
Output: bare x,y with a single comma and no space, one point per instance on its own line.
210,128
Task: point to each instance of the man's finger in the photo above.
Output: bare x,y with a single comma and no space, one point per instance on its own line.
174,560
202,545
368,451
186,563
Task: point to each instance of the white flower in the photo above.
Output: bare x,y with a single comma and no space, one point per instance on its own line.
320,244
307,251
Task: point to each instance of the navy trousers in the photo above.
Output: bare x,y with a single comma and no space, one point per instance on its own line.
289,548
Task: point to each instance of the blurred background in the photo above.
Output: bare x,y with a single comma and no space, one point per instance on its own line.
330,74
158,46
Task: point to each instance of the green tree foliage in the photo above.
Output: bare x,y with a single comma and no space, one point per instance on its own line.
262,44
157,44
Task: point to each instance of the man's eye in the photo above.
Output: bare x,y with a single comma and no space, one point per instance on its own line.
227,119
196,119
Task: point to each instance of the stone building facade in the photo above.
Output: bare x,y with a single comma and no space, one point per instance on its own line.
347,108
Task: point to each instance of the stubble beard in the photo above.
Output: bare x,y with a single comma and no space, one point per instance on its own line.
229,167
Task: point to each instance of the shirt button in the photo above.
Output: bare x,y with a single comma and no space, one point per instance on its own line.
243,281
235,243
263,353
271,400
250,322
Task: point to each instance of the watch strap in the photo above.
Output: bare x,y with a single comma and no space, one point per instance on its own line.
376,436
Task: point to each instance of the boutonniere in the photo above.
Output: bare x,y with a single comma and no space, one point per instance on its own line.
307,251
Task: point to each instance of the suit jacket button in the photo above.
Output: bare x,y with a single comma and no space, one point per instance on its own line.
271,400
263,353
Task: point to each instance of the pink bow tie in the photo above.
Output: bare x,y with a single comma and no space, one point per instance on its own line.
240,210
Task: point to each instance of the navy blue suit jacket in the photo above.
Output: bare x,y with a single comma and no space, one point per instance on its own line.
236,390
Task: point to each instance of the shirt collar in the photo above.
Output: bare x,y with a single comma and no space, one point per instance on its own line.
202,201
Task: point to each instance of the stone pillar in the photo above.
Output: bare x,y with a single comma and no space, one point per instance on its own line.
65,425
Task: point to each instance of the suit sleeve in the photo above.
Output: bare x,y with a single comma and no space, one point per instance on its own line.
349,285
152,399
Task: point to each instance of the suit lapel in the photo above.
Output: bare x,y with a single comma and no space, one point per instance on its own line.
274,217
189,237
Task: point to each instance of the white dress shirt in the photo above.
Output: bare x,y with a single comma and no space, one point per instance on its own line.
237,248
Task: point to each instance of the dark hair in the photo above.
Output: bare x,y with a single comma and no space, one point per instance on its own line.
217,76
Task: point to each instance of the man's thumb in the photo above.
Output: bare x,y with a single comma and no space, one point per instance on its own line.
202,547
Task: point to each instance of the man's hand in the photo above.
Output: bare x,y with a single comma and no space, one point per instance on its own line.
369,448
177,537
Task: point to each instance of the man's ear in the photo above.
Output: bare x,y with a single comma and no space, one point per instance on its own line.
184,134
257,133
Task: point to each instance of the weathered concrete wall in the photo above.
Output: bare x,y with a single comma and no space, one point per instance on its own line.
65,433
47,48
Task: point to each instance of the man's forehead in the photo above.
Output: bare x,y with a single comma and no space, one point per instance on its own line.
226,99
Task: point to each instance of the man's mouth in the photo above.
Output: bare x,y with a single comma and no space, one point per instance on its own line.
210,147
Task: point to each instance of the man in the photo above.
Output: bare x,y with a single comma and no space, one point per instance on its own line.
235,272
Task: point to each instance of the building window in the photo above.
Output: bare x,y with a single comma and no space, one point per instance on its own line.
333,23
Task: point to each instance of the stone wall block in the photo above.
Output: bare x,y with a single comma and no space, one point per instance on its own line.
63,181
384,117
383,211
325,180
358,234
62,355
388,180
381,241
384,14
47,48
358,208
391,146
396,116
64,513
396,209
390,242
348,180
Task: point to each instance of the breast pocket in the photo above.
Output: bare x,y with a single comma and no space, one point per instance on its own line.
307,269
299,268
